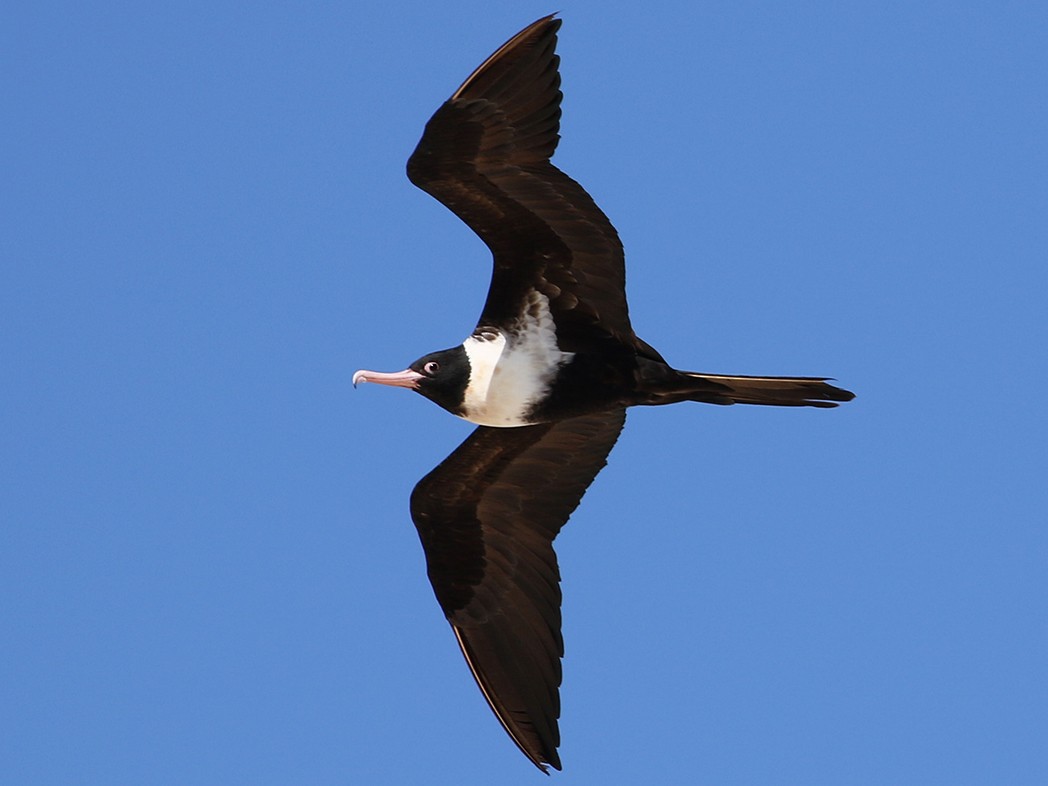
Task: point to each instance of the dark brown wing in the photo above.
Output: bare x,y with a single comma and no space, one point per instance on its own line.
486,153
487,517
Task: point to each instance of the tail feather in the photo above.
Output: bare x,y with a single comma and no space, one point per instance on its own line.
770,391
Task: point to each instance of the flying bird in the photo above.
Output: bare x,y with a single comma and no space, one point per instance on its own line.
547,375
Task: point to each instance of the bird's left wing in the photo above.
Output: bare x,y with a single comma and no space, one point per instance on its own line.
485,154
487,517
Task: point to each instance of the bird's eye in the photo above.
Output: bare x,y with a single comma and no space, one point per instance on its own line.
431,368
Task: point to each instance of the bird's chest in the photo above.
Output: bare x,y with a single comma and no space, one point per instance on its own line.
513,370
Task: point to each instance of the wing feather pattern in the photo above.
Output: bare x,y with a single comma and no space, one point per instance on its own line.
487,517
485,154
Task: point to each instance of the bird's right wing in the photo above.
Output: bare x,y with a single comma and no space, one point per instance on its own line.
487,517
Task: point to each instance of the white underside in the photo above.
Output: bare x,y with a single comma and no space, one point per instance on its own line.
511,371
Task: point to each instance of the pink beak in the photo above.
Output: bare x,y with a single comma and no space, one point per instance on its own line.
401,379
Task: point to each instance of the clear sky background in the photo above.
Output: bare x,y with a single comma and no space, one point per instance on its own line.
208,574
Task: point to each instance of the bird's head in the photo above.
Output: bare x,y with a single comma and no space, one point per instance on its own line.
441,377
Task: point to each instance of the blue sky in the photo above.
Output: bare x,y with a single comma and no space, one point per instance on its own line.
208,569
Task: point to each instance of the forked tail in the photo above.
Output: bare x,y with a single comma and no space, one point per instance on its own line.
665,385
771,391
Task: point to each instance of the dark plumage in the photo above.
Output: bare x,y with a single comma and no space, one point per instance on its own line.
548,374
487,517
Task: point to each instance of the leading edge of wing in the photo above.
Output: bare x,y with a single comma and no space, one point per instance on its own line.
485,154
487,517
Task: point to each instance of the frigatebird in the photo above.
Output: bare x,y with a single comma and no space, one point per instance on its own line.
546,375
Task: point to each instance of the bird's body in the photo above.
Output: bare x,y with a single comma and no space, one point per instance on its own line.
547,374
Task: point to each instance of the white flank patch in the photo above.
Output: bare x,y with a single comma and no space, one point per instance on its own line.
512,371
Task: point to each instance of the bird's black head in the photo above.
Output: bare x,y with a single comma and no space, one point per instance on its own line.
441,377
444,377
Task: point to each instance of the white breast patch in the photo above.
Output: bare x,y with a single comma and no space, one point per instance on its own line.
512,370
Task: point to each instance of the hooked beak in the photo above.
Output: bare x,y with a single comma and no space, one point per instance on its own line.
401,379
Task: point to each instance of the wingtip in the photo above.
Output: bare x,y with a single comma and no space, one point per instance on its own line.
549,757
548,25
